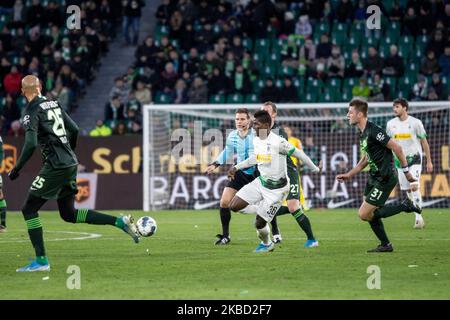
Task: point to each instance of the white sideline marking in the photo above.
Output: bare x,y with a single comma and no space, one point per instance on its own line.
84,236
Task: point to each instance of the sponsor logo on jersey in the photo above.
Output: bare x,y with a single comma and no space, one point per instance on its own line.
402,136
264,158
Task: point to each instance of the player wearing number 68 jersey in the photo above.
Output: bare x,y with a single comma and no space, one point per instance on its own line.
49,126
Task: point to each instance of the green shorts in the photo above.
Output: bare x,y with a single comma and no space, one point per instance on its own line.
294,186
55,183
377,192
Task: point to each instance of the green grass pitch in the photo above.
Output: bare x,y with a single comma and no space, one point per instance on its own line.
183,263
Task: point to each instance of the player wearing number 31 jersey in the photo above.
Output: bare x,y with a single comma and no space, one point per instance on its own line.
49,126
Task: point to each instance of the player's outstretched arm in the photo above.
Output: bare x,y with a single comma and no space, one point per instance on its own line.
224,155
395,147
300,154
357,169
72,130
426,149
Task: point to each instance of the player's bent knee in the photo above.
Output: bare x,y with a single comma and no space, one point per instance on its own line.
293,207
364,216
260,223
225,203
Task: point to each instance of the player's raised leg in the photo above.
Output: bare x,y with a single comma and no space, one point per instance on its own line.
68,213
35,232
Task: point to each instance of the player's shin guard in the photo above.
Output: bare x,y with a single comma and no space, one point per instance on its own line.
378,228
263,234
3,212
225,217
304,223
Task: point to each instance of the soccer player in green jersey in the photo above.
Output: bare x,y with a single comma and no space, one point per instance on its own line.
377,147
49,126
2,197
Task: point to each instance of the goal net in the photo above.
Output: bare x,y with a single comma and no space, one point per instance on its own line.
181,140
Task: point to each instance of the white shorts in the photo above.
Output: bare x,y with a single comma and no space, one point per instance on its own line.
268,200
415,170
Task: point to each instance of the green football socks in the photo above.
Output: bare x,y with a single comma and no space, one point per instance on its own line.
304,223
3,212
94,217
35,232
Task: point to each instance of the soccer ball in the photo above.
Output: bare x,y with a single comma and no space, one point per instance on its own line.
146,226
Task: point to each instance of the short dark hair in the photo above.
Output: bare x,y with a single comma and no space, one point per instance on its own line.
360,105
270,103
402,102
263,116
243,110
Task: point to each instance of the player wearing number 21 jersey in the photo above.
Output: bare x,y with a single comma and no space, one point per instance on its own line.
270,189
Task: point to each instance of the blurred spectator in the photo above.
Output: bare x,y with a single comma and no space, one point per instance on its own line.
240,81
217,82
12,81
437,43
438,87
61,94
269,92
344,11
119,90
410,23
143,93
336,63
379,90
114,111
289,92
361,89
198,92
373,63
120,129
164,12
303,27
288,26
396,14
340,126
393,65
430,64
323,49
420,89
10,113
168,78
444,62
356,67
132,104
360,12
131,18
100,130
180,94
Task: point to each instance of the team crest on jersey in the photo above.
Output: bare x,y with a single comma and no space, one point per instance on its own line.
26,120
380,136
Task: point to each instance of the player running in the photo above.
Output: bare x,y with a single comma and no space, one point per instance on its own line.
49,126
293,204
377,148
272,186
240,143
410,134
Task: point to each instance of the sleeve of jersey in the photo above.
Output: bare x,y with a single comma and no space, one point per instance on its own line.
388,129
305,159
421,133
226,152
30,121
380,136
72,129
250,162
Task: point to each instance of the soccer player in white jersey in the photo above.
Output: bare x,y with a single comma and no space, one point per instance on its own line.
272,186
410,134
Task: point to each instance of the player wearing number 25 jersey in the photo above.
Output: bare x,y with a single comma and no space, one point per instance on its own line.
49,126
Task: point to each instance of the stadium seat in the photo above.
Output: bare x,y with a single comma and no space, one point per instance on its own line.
235,98
309,97
262,46
217,98
251,98
162,98
247,43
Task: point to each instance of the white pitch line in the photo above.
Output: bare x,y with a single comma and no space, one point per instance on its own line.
284,239
85,236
